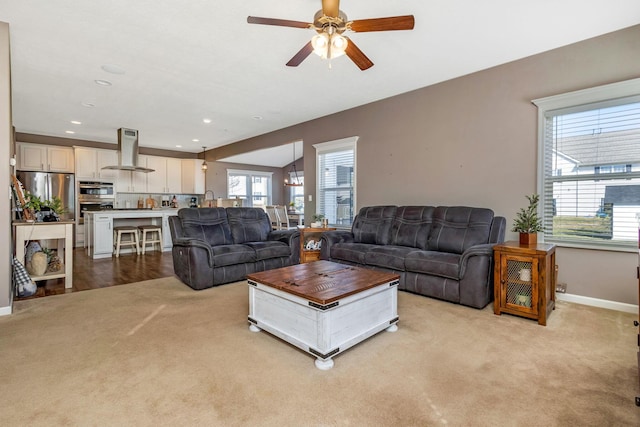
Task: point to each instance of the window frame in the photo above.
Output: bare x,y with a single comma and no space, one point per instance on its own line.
250,174
610,94
349,143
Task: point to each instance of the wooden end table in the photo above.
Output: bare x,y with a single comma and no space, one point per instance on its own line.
310,243
524,280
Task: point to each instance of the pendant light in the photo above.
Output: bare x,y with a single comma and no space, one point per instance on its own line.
204,162
296,181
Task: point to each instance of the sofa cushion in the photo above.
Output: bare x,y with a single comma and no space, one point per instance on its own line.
411,226
457,228
207,224
443,264
351,252
232,254
372,225
269,249
388,256
248,224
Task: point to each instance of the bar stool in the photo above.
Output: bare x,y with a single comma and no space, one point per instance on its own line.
144,229
133,238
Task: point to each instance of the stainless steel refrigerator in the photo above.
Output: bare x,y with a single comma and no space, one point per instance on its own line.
46,185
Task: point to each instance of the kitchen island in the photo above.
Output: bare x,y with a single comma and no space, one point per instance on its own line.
99,227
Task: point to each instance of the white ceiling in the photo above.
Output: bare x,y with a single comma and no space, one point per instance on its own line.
182,61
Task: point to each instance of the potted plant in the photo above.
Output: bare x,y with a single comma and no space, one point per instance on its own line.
527,222
292,207
317,221
38,207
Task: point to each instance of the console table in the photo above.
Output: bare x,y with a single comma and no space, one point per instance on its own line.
62,231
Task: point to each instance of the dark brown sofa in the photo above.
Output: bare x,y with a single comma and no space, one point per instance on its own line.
443,252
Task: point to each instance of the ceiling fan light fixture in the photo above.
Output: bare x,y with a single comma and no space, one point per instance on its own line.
320,43
328,45
338,45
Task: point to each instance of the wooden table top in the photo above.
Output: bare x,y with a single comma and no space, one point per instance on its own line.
322,282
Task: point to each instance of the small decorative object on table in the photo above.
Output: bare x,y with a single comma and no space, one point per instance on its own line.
317,221
527,222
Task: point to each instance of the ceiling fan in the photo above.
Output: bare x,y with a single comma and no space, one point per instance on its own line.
330,23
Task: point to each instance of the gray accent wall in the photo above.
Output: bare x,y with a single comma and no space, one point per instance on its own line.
473,141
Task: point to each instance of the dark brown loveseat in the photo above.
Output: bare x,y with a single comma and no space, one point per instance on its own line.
213,246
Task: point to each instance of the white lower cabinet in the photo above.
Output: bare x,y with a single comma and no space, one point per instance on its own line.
103,237
167,243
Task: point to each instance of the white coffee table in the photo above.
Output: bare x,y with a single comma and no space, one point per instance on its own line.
323,307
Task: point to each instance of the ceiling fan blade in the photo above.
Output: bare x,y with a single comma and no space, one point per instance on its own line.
357,56
405,22
301,55
278,22
331,8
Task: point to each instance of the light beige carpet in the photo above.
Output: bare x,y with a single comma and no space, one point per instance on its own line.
159,353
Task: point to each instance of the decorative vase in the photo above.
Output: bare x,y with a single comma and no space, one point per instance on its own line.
528,238
38,264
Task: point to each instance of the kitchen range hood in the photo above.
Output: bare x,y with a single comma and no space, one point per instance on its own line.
128,152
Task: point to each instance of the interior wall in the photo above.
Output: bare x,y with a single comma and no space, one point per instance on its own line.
473,141
6,152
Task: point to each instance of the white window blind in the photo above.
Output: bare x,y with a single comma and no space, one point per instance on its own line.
254,187
591,173
336,181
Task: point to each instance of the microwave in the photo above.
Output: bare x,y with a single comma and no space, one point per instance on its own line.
95,190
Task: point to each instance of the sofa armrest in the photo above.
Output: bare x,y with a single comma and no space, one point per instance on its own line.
195,243
330,238
284,236
291,238
485,250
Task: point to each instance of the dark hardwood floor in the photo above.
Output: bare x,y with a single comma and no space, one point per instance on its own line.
89,273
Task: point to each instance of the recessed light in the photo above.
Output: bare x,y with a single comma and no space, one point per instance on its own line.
113,69
257,117
101,82
88,104
195,140
206,121
75,122
69,131
178,146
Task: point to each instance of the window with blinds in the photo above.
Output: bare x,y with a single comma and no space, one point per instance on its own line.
590,192
253,187
336,181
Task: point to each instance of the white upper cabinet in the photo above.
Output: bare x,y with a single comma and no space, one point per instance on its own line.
167,175
133,182
47,158
90,161
193,177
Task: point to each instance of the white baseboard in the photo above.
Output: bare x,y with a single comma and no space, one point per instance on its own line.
5,311
596,302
